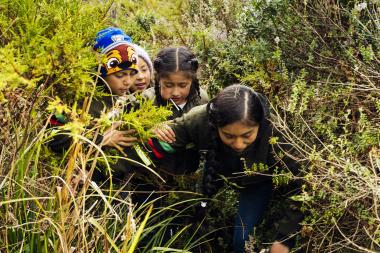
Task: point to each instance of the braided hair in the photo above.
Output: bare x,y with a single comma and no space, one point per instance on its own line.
174,59
234,103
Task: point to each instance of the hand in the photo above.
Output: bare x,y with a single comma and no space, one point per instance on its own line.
164,133
117,139
278,247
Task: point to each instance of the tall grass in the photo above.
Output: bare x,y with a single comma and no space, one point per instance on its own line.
44,208
48,201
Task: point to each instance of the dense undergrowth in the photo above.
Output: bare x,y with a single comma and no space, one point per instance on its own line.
317,61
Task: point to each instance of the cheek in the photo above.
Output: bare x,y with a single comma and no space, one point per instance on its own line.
134,79
112,81
165,92
185,91
147,77
252,138
224,139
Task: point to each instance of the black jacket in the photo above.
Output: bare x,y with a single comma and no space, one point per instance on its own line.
194,129
121,168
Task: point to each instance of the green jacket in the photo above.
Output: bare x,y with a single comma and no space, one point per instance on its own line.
192,102
193,128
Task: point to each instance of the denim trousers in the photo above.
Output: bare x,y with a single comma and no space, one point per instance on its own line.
253,201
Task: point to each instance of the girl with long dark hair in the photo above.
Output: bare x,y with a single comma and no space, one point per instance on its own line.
234,130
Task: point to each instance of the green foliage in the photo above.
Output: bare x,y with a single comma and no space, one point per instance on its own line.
256,168
143,119
317,62
48,203
43,43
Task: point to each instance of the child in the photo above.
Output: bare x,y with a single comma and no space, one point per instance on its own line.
118,74
234,131
145,75
176,81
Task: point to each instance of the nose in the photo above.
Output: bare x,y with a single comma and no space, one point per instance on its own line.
140,75
175,92
239,144
127,80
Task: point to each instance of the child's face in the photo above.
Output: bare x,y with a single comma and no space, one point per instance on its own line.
238,135
175,86
143,78
121,81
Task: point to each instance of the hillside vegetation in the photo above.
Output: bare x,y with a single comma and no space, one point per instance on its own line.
318,62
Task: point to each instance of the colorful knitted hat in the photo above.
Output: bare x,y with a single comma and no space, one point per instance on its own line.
145,56
118,51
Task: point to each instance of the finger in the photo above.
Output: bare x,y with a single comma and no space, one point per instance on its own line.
160,136
126,139
163,137
130,131
118,147
116,124
170,133
125,144
129,139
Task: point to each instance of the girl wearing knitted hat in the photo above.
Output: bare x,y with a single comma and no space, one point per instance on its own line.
176,81
119,63
144,77
118,72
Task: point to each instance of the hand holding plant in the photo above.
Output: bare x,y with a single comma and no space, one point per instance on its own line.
164,132
116,138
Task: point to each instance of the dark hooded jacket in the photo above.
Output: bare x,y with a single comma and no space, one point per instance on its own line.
61,142
194,129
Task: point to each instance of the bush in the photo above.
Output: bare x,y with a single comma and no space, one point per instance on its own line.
317,61
319,65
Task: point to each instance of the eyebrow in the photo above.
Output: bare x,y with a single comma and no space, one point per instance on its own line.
237,135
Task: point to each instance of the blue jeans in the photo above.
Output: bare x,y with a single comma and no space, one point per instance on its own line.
253,200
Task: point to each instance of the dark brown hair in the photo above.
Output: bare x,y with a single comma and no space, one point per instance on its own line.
174,59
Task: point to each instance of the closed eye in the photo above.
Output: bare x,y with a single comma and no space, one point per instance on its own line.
247,135
119,74
183,85
229,136
168,85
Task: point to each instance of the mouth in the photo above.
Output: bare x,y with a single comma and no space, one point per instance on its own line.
140,86
239,151
123,91
176,100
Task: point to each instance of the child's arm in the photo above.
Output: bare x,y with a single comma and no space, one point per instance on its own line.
192,127
61,141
